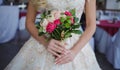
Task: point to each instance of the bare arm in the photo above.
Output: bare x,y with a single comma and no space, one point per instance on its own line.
30,25
90,10
53,46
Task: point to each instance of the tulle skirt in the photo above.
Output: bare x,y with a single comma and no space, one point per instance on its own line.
34,56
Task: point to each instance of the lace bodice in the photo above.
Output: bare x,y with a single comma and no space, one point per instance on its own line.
66,5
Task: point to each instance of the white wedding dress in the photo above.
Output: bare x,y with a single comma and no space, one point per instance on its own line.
34,56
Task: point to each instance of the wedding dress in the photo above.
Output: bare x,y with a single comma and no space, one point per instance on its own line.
34,56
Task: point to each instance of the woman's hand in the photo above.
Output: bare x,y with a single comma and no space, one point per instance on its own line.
66,57
55,47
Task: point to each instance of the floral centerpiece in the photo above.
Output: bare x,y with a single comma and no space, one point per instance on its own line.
59,25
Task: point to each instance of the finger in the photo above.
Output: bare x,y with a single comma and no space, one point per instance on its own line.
63,59
59,44
65,52
55,49
63,56
54,53
60,49
66,60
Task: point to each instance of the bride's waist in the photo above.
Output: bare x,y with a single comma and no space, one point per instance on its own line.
70,41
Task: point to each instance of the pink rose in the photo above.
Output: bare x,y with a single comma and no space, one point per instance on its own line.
50,27
56,14
57,21
67,13
72,20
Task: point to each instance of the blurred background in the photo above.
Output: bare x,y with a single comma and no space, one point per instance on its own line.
105,42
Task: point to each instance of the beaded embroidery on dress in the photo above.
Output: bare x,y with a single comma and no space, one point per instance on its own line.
34,56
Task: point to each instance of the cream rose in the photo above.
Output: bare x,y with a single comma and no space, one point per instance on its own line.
44,24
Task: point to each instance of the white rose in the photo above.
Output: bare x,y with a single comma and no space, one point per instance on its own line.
44,24
64,16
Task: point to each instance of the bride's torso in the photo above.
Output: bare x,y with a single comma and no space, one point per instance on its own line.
66,5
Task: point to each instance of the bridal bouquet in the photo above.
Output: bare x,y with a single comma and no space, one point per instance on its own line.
58,25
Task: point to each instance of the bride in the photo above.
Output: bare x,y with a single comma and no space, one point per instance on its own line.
74,54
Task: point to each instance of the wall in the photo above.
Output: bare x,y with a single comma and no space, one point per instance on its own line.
112,4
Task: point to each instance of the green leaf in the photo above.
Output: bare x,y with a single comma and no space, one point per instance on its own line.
41,33
58,32
67,25
52,35
68,17
72,12
76,31
62,19
55,35
37,26
75,26
68,21
68,35
49,11
40,29
42,15
76,19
